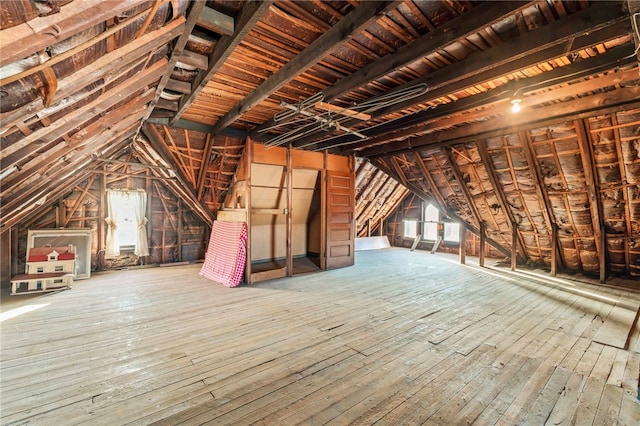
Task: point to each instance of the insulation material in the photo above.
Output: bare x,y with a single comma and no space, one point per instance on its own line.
227,253
517,181
483,195
616,151
557,152
447,186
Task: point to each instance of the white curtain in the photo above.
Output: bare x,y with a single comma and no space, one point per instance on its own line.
124,207
113,207
139,204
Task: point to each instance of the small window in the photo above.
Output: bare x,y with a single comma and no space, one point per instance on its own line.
431,217
410,228
57,281
40,269
452,232
59,268
39,285
52,257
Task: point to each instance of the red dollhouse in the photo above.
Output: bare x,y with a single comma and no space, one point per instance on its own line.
47,269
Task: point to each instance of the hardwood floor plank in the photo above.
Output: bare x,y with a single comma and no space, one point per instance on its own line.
609,407
567,401
429,342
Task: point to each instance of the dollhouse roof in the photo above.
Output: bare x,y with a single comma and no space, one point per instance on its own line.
41,254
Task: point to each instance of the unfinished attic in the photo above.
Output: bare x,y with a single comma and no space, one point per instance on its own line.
430,210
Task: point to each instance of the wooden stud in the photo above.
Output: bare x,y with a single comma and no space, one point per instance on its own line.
149,18
603,256
483,244
554,249
514,246
289,216
486,161
462,250
541,192
79,200
179,243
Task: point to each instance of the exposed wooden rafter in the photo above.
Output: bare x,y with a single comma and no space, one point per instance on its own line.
251,13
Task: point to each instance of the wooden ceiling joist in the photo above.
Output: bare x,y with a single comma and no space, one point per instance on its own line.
583,29
40,33
251,13
586,106
81,115
157,143
321,47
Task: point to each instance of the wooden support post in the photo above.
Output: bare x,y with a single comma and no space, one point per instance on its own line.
381,227
60,216
436,244
514,246
289,216
462,248
603,254
147,187
554,249
483,245
14,251
368,227
102,207
416,241
179,226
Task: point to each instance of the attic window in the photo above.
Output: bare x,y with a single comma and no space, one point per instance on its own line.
431,217
127,223
410,228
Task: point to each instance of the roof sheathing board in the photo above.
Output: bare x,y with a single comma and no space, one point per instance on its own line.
556,150
484,196
518,183
615,140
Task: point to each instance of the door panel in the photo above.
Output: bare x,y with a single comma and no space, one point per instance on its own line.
340,211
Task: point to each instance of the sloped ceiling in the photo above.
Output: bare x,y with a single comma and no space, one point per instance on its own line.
421,91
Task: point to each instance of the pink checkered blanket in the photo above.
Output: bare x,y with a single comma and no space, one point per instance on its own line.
226,254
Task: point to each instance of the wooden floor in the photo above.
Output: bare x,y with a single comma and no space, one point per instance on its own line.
401,338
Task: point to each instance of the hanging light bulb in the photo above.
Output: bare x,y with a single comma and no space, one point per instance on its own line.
515,105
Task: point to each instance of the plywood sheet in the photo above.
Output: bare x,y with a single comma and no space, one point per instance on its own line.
616,328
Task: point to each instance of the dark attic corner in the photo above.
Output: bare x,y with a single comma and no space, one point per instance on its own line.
417,200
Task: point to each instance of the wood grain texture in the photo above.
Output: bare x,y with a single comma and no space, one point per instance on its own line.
400,338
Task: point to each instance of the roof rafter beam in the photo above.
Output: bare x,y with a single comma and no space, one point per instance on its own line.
498,189
80,116
428,198
41,32
107,68
625,97
457,28
249,16
494,103
318,49
157,143
583,29
84,142
21,207
538,46
194,14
